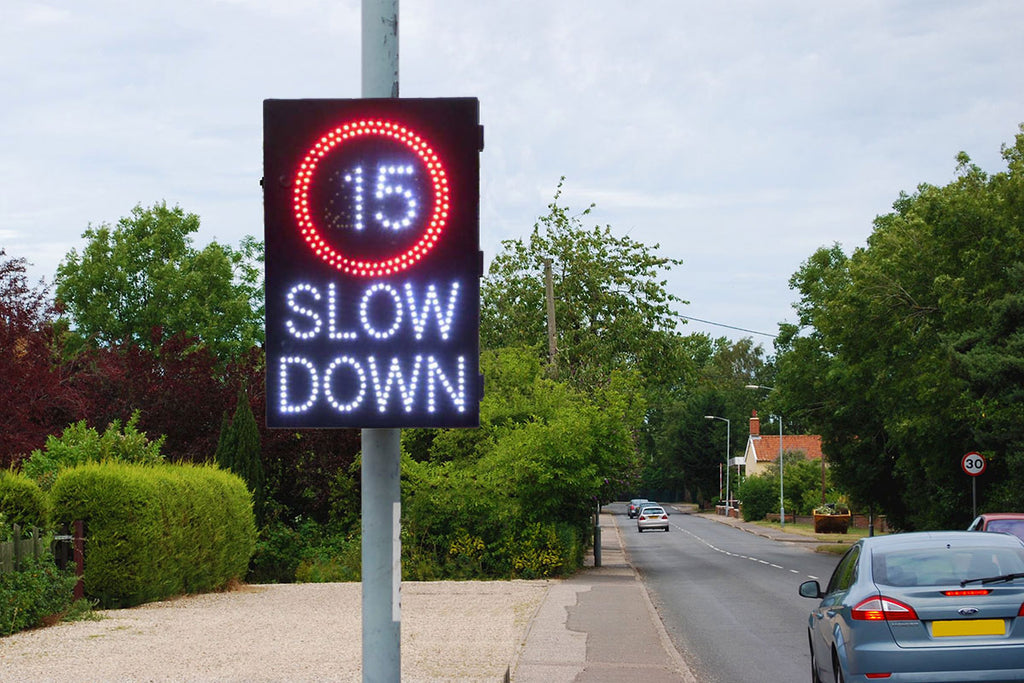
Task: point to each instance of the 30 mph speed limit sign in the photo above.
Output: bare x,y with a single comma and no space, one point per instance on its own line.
973,464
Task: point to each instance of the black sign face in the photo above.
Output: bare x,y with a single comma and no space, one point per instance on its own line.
373,262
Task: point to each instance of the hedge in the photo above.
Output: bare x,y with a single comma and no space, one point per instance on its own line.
22,502
154,531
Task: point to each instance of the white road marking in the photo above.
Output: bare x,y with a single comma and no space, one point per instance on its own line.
742,557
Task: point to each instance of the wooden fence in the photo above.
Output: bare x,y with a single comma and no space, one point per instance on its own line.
26,544
67,545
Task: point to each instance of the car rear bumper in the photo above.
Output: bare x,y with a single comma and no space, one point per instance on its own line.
938,664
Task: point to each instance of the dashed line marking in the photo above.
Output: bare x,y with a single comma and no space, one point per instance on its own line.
737,555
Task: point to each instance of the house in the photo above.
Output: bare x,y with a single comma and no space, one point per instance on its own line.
763,449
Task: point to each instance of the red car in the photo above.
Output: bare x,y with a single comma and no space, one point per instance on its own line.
1006,522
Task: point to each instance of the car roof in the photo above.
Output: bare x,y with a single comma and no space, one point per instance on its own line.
926,539
1002,515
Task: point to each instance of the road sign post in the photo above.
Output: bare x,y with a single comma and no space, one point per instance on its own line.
973,464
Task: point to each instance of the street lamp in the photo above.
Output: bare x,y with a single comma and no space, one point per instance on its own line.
728,445
782,499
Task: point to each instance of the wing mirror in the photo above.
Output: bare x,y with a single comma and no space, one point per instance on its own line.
811,589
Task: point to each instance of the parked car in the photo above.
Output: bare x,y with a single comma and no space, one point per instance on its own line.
652,517
924,606
634,507
1006,522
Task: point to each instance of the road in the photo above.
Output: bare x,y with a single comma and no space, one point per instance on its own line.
728,599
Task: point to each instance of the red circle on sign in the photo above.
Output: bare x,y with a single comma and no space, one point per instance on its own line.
433,225
973,464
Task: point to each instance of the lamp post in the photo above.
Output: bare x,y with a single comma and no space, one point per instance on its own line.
728,445
782,498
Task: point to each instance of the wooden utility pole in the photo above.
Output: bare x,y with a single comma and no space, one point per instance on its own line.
549,295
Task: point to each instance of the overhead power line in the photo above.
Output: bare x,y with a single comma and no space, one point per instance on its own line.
730,327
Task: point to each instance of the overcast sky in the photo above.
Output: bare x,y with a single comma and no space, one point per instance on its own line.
739,136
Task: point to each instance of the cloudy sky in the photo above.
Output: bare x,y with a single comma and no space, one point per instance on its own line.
739,135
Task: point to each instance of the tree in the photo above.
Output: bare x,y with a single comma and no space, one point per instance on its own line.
611,308
910,353
238,450
34,402
526,484
688,450
144,274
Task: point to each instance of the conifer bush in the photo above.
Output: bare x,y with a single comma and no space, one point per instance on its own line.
22,502
157,531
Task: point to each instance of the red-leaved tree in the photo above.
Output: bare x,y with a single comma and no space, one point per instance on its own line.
34,400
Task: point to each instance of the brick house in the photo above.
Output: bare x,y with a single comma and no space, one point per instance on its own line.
763,449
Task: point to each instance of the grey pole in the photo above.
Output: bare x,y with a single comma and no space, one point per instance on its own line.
728,481
381,460
381,555
782,494
728,445
380,48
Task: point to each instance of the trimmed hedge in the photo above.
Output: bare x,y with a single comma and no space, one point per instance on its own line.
22,502
156,531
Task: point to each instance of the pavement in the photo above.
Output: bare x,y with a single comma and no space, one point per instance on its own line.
601,626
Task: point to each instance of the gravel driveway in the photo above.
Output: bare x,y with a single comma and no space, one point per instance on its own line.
451,631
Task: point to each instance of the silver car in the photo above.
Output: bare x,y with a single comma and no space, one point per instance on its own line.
927,606
652,517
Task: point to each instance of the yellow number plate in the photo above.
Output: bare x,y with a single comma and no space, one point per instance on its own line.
969,627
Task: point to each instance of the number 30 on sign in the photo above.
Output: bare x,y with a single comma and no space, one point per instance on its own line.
973,464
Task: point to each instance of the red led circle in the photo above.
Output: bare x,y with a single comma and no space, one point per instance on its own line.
433,226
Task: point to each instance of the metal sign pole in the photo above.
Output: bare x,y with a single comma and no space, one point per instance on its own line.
381,468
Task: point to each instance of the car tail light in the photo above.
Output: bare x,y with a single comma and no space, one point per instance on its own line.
887,675
1020,612
882,608
967,592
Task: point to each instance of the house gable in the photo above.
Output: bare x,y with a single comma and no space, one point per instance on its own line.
763,449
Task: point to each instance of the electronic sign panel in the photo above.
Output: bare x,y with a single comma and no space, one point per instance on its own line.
373,262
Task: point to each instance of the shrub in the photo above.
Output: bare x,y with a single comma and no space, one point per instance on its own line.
80,444
21,500
335,559
760,495
29,596
543,550
277,554
157,531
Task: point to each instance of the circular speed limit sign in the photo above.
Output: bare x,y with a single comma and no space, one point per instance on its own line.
973,464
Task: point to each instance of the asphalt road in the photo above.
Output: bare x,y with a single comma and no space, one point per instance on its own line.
727,598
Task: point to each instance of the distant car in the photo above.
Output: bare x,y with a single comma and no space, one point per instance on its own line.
652,517
634,506
647,504
925,606
1006,522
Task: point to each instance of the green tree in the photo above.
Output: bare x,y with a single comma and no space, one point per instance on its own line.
909,351
238,450
759,495
612,311
688,449
516,497
142,281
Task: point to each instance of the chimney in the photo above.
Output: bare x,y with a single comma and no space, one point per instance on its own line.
755,425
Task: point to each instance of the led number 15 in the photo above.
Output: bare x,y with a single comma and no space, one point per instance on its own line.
395,203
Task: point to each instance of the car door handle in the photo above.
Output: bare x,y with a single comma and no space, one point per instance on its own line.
831,612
